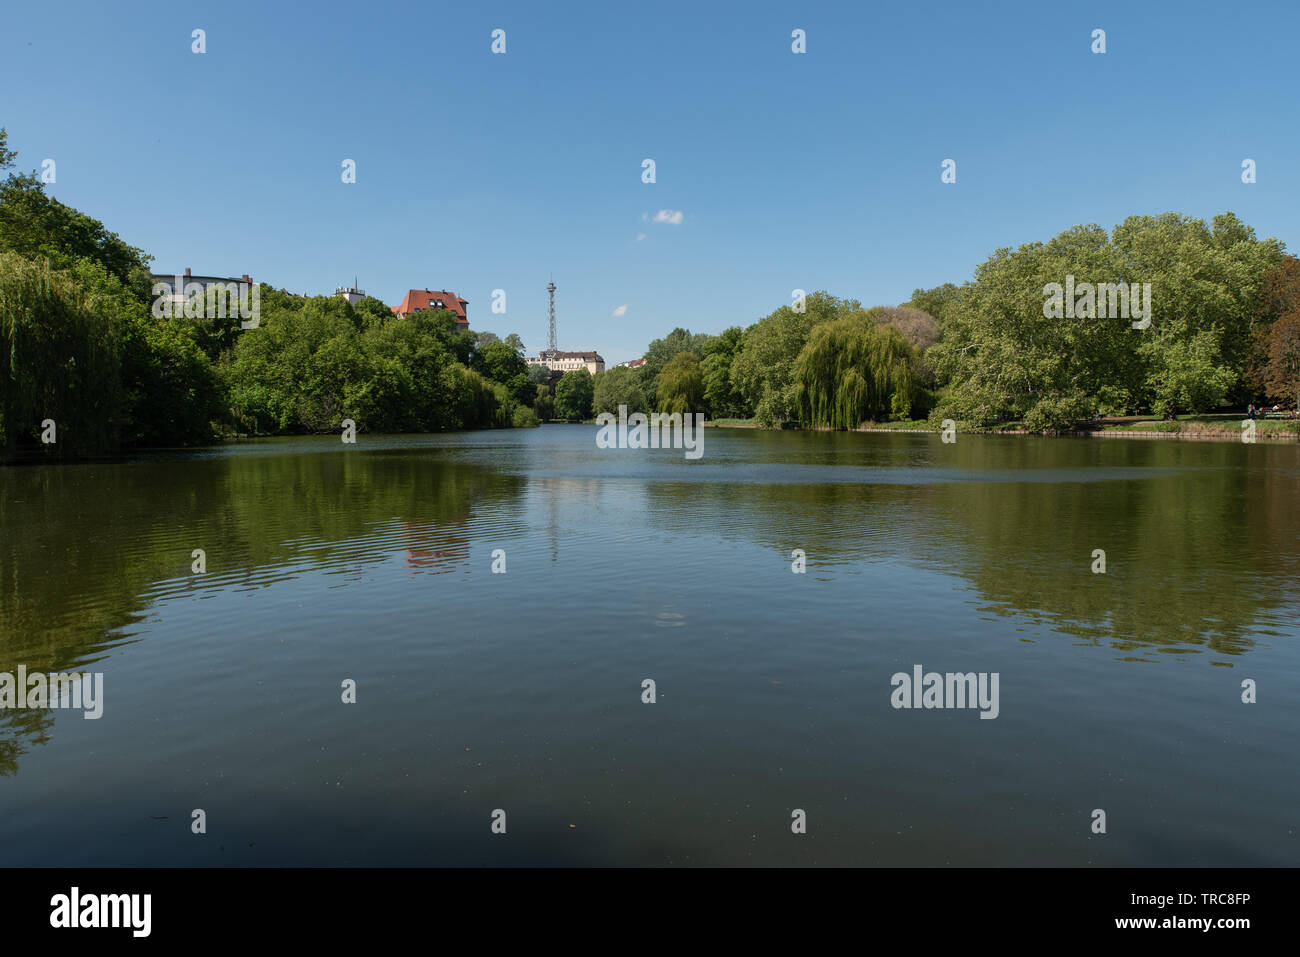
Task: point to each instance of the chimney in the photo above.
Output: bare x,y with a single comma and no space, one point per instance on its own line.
187,270
246,279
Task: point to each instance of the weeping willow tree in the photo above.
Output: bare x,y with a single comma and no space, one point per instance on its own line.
59,361
681,386
850,371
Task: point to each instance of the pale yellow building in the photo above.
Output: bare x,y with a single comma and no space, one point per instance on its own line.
568,361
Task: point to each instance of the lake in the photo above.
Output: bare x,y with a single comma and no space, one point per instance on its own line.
522,690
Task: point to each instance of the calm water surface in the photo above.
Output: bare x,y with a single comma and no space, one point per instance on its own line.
522,691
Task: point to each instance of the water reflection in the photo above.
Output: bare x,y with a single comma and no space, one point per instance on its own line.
1200,539
88,550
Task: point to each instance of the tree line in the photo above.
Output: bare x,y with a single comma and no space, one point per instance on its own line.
79,346
822,361
1223,330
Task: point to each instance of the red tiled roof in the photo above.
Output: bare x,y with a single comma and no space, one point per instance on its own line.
429,298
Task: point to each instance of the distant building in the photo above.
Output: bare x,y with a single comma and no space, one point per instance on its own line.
568,361
177,286
418,300
631,364
351,293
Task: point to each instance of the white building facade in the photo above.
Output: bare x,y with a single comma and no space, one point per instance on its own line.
568,361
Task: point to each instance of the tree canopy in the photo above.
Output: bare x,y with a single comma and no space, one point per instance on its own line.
681,385
618,386
762,371
573,395
1006,358
82,347
852,370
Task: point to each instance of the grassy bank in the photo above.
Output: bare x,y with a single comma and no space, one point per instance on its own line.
1216,426
731,424
1205,426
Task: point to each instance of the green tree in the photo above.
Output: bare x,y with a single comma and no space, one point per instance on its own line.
525,418
59,360
34,225
166,391
721,396
762,371
852,370
86,348
499,362
1007,356
300,368
661,351
7,156
618,386
1007,359
544,404
681,385
573,395
369,311
475,404
937,302
1190,375
1207,290
174,394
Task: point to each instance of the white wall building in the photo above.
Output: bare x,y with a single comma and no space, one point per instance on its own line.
351,293
568,361
198,285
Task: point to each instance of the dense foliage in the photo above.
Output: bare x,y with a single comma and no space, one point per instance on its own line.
681,385
313,362
618,386
852,370
1275,365
1223,328
1006,359
574,394
81,345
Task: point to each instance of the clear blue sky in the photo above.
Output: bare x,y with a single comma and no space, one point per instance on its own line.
478,171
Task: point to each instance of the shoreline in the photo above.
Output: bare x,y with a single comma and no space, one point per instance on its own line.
1193,435
1201,436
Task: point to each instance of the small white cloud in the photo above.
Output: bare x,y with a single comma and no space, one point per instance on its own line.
640,236
671,216
644,217
620,311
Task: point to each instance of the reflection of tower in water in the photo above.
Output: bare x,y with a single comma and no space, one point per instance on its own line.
554,527
579,495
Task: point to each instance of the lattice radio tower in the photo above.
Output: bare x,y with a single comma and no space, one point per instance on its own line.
550,341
